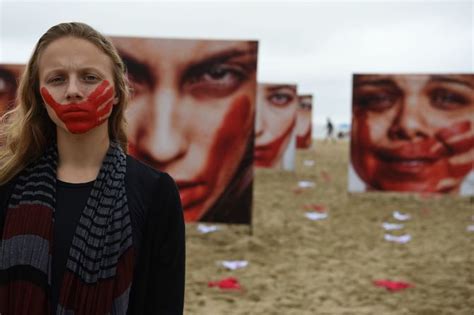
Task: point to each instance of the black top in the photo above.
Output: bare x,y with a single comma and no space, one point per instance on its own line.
70,202
157,232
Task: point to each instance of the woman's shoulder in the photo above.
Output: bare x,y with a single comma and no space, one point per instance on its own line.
152,195
144,179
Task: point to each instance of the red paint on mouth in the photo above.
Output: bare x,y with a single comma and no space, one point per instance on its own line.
84,116
304,141
265,155
417,165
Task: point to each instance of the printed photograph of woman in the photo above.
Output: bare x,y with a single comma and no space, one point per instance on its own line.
413,133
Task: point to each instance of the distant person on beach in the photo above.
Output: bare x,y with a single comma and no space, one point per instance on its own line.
329,129
414,132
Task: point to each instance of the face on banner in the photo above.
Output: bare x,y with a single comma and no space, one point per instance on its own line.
9,77
192,112
413,132
303,121
275,122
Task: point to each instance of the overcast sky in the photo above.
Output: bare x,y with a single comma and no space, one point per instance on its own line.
317,44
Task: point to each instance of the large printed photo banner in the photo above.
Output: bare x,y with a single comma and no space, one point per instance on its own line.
192,115
275,132
303,122
413,133
9,77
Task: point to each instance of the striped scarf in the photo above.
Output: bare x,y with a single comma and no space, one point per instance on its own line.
99,267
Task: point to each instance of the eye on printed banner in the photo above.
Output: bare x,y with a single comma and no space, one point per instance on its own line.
413,133
303,121
192,115
275,132
9,78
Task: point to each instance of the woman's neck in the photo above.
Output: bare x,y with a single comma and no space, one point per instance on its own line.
80,156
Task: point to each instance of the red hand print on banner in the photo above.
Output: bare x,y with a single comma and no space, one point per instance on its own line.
458,143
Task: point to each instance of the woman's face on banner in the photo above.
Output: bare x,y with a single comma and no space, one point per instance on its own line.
413,132
9,77
303,115
275,121
192,111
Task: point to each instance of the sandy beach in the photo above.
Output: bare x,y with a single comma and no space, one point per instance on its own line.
298,266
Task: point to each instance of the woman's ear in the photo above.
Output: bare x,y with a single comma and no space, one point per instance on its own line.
116,100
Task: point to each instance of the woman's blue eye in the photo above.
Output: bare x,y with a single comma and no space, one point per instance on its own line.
280,99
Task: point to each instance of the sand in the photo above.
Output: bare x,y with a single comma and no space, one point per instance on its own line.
298,266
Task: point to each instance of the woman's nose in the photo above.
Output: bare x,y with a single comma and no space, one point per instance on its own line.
409,122
163,141
73,91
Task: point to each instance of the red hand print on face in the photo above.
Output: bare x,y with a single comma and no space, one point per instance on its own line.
265,155
437,164
452,151
83,116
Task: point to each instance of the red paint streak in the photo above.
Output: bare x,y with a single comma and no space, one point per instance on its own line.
304,141
231,133
393,286
460,170
265,155
415,166
83,116
462,145
455,129
230,283
410,151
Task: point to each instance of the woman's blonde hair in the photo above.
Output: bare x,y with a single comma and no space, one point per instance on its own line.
27,130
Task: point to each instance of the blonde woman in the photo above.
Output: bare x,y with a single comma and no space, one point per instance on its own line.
84,227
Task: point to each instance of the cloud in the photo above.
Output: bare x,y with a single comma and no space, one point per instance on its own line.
315,44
